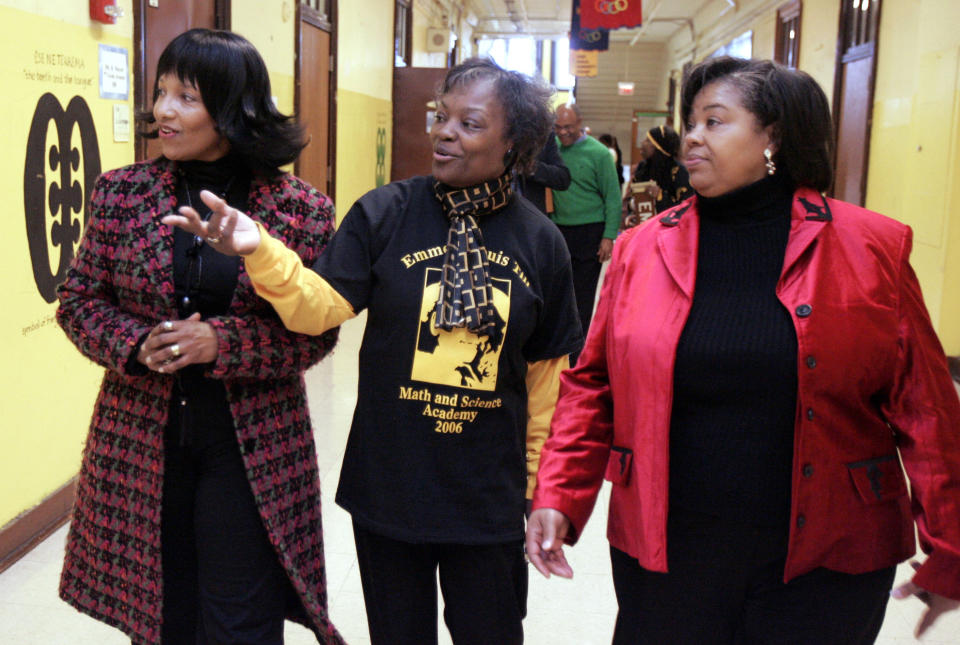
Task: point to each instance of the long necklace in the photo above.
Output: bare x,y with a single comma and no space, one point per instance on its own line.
194,259
190,290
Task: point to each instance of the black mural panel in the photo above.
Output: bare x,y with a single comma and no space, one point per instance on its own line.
68,197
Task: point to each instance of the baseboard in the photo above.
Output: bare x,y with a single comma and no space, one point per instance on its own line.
31,527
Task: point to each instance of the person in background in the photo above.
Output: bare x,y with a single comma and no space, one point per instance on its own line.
470,319
610,142
548,175
754,409
588,212
197,513
660,150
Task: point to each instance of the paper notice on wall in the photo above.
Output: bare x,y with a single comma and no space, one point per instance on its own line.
114,73
583,62
121,122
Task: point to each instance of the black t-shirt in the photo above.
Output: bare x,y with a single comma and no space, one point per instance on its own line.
436,451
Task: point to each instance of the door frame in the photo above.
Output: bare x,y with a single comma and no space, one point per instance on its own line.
305,13
846,56
222,20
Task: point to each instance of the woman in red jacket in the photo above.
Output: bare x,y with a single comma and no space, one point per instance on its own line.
769,348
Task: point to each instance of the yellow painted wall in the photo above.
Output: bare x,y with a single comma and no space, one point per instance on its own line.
271,27
764,30
914,172
819,24
364,99
46,388
364,81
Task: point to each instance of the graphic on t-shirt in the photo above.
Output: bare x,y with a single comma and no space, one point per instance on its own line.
458,357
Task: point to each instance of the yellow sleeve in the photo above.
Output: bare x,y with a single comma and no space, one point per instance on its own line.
305,302
543,388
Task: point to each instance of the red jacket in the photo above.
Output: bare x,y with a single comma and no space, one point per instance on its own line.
873,384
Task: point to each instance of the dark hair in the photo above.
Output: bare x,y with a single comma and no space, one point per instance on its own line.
789,100
611,142
235,87
659,167
525,105
667,138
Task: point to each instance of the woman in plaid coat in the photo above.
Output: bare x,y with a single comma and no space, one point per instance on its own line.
197,516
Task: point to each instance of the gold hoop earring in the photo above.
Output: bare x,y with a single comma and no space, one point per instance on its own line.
771,167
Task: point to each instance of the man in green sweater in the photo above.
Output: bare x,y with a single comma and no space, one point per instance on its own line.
588,212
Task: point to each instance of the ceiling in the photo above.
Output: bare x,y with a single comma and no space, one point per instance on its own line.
550,18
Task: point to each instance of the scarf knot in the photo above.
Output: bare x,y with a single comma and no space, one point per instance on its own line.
466,293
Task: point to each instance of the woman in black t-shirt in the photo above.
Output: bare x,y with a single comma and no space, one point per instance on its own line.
471,318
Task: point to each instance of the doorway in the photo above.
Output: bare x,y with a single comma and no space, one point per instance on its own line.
155,24
853,97
315,91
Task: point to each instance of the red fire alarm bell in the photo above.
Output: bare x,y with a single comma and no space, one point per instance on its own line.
105,11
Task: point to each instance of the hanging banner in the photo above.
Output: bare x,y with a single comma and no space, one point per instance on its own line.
586,39
583,63
610,14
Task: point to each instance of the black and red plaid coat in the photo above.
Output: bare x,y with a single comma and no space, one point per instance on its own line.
119,287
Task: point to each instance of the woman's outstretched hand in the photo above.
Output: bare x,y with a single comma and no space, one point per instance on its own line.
546,529
228,230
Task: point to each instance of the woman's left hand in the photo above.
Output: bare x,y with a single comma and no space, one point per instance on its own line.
937,605
174,344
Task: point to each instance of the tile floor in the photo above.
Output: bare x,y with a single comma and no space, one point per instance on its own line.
561,612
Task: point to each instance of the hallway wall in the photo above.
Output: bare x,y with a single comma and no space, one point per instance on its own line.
914,172
364,99
914,167
46,388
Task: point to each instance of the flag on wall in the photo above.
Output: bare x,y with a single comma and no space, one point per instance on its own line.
610,14
586,39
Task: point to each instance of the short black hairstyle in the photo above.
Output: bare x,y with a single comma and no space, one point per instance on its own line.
789,100
525,102
235,87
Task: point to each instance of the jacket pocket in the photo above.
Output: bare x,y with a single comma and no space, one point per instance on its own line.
618,465
878,480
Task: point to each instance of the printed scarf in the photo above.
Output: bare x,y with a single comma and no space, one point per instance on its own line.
466,294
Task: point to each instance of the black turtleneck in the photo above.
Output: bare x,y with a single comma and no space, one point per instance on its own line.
204,281
735,380
200,274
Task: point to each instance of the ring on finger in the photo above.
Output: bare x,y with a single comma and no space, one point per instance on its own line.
214,240
167,325
175,350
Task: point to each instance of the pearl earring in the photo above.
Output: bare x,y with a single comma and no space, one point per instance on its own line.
771,167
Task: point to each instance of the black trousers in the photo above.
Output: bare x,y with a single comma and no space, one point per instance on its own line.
484,590
725,587
222,581
583,242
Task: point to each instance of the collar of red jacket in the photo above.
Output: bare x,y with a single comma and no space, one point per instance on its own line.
679,230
